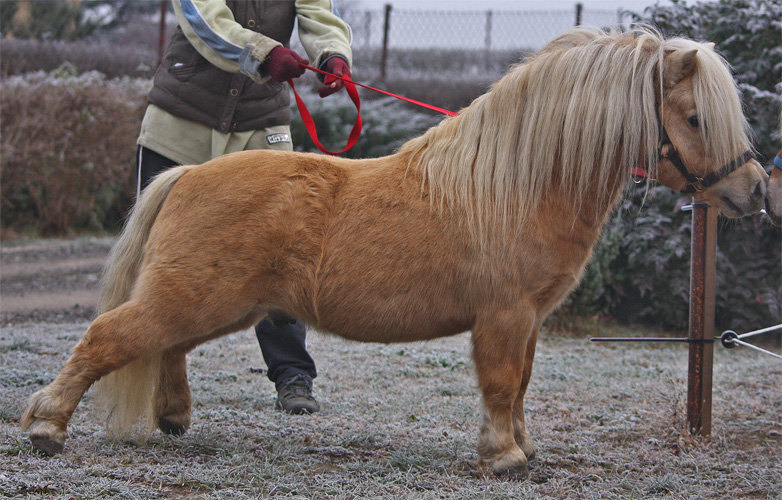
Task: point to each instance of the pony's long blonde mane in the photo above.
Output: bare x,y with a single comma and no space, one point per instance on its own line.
569,115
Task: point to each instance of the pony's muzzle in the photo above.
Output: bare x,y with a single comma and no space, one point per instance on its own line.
743,193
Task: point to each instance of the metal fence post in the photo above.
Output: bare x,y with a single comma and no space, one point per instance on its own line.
579,10
367,29
487,41
701,335
386,29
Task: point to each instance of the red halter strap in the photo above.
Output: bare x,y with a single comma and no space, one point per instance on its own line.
640,173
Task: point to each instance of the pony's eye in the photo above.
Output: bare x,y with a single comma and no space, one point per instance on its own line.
693,121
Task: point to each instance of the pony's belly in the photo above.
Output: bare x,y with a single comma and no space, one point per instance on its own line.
391,303
370,324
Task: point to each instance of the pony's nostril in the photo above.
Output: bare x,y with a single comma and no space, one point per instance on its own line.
757,193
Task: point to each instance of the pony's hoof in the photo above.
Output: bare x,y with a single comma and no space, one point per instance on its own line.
169,427
47,445
46,438
517,473
512,465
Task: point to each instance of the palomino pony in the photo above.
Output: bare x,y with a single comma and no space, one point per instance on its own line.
484,223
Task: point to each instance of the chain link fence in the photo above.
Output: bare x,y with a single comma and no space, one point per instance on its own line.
393,43
486,29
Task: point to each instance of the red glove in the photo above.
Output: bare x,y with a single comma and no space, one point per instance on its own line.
283,64
339,67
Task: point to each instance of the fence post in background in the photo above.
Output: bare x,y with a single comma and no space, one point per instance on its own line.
701,335
488,40
386,29
579,9
367,29
162,38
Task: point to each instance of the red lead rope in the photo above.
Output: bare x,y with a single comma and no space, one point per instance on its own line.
309,123
350,86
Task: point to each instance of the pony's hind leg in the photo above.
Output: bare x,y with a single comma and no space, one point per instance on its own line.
172,399
114,339
172,393
499,344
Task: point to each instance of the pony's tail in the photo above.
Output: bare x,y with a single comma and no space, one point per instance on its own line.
127,393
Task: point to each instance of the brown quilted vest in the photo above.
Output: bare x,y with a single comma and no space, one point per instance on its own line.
228,102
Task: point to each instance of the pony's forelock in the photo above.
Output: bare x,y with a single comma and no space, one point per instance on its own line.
725,130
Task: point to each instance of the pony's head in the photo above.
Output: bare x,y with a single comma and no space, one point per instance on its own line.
703,145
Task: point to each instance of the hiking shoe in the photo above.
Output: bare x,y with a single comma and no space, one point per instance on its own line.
294,395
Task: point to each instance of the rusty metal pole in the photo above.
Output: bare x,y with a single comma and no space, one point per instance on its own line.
161,46
701,335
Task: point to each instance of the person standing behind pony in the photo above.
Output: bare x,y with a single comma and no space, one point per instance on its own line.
220,89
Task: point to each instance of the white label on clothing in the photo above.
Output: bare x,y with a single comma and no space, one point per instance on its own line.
278,138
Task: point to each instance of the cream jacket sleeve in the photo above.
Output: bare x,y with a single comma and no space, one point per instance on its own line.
322,32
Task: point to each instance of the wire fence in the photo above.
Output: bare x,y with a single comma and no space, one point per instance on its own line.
478,44
485,29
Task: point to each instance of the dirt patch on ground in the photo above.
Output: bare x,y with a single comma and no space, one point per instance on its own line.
397,421
51,280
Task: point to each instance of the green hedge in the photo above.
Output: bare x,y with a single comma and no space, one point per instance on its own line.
640,268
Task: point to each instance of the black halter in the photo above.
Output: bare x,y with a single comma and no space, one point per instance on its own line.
697,184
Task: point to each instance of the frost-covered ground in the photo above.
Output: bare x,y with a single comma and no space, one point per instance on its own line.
401,421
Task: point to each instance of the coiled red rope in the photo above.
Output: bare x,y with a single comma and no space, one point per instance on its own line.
350,87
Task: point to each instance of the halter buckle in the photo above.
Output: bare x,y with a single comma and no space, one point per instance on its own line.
697,185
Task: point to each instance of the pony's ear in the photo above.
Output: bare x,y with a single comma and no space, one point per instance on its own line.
709,45
678,65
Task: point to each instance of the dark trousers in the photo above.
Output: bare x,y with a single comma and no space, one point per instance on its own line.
283,346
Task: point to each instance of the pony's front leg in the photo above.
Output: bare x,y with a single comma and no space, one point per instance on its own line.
521,434
499,345
172,393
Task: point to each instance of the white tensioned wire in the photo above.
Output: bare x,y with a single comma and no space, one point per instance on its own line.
746,344
763,330
737,339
